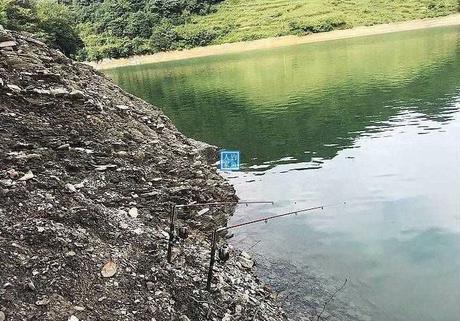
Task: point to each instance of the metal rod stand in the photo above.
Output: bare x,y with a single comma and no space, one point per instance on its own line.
213,259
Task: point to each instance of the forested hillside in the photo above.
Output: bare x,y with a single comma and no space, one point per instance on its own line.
97,29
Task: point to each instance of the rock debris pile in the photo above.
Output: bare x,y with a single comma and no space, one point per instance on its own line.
88,175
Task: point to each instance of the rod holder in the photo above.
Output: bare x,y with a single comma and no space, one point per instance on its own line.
172,225
212,260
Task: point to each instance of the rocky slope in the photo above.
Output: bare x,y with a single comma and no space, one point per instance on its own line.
88,175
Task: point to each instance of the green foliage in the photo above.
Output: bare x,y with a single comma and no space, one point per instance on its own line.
239,20
164,37
56,28
317,24
19,15
50,21
121,28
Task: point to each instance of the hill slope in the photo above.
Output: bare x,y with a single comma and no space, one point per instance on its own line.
92,30
239,20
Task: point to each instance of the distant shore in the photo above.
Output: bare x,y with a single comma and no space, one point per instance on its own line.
267,43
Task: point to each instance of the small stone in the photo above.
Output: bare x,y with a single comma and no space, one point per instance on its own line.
77,94
109,269
70,187
80,185
150,286
6,182
27,176
70,254
184,318
245,255
59,91
14,88
12,173
122,107
133,212
41,91
246,263
238,309
202,212
2,316
123,225
6,44
31,286
79,308
40,229
73,318
42,302
64,146
102,168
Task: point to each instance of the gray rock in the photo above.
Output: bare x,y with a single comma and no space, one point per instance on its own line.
27,176
70,187
59,91
207,151
31,286
43,301
14,88
150,286
7,44
133,212
2,316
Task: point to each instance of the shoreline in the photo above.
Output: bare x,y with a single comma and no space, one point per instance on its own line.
276,42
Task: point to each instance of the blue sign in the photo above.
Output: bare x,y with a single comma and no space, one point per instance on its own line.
229,160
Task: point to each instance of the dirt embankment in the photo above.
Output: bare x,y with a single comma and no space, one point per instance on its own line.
88,174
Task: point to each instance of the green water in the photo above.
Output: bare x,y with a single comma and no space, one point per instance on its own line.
373,122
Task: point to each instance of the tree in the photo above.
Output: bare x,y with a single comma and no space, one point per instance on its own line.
56,26
50,21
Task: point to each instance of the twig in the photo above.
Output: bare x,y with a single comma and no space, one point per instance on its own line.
331,298
253,245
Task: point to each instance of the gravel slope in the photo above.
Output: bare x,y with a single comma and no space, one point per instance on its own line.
88,174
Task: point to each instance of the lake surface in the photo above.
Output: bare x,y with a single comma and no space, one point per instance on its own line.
373,122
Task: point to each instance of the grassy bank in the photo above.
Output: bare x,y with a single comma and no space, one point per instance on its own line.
94,30
267,43
240,20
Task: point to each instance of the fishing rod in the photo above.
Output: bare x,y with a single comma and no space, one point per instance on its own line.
224,255
183,231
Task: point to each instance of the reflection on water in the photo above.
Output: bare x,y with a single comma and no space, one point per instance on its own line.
373,122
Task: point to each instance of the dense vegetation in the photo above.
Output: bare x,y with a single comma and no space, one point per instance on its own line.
51,21
96,29
120,28
240,20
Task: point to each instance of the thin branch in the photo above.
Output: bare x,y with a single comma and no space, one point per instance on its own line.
331,298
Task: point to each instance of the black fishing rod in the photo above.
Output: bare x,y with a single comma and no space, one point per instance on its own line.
264,219
172,225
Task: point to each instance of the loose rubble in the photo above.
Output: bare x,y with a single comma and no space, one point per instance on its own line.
88,175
